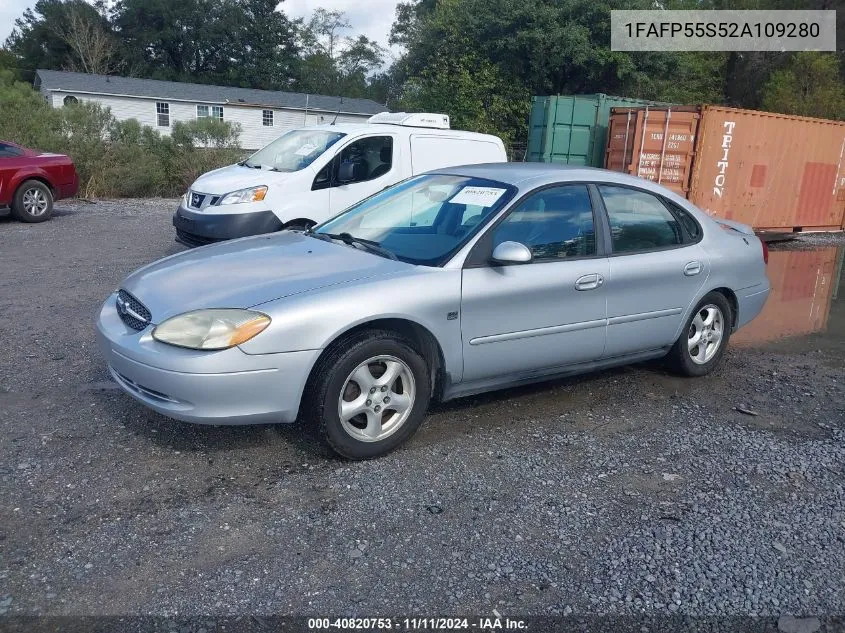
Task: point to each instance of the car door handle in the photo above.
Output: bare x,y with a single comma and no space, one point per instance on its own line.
589,282
692,268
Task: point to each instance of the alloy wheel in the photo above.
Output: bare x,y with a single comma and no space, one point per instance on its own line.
34,202
705,334
377,398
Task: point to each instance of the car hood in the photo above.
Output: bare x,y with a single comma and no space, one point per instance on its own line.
234,177
246,272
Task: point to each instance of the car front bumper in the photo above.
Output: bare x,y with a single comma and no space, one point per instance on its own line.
214,387
196,228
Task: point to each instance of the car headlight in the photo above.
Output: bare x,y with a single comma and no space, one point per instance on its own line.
211,329
253,194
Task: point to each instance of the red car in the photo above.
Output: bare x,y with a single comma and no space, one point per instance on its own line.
31,180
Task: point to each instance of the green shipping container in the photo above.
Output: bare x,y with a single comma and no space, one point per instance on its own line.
572,130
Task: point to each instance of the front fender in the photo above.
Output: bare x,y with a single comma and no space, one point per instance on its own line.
313,320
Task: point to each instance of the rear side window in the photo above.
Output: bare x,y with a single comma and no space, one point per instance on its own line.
639,221
8,151
691,226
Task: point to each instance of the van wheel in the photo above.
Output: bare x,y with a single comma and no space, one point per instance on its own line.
703,341
33,202
369,394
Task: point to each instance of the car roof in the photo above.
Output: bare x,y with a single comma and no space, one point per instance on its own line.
530,175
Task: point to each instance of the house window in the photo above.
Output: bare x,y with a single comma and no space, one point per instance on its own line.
214,112
267,117
70,100
163,114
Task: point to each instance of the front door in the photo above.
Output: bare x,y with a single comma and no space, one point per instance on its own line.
374,168
524,319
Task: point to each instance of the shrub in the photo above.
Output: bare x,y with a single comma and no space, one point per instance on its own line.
116,158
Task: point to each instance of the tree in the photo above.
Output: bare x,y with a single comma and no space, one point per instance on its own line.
473,92
39,37
91,40
809,85
333,63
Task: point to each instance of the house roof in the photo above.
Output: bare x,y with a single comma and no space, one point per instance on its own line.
55,80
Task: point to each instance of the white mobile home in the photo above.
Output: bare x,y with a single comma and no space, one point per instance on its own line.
262,114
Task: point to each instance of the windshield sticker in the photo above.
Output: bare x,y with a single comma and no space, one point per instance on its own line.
478,196
306,150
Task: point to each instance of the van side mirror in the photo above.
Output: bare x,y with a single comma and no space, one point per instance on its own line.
349,172
512,253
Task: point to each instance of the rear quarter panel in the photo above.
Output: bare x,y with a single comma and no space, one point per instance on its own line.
735,261
56,170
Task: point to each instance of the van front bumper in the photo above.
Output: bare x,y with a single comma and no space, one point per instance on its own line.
214,387
196,228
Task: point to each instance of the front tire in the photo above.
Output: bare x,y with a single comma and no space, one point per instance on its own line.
703,341
33,202
369,394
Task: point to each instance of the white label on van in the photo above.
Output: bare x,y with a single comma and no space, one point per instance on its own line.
306,150
478,196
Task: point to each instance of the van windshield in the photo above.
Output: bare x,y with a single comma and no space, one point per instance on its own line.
423,220
293,150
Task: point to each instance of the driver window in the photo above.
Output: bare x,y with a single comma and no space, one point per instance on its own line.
372,158
555,223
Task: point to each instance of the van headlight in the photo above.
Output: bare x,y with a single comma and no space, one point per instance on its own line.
211,329
253,194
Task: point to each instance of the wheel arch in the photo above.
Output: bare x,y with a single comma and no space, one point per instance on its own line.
733,302
421,337
34,176
298,222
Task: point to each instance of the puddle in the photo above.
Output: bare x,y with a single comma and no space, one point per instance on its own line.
806,307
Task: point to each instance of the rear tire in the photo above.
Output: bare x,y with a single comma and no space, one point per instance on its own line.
362,410
704,339
33,202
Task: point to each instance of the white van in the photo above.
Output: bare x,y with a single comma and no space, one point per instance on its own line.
311,174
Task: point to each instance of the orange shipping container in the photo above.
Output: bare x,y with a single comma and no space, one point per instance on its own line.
771,171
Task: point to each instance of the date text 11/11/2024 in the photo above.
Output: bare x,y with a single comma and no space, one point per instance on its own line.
418,624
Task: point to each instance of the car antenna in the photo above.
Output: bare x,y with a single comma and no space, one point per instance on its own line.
338,111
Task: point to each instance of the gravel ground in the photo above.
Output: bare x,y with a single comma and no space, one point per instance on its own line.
622,492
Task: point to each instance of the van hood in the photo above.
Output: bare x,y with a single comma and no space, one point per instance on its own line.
250,271
228,179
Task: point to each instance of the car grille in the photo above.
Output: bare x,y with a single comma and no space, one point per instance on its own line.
132,312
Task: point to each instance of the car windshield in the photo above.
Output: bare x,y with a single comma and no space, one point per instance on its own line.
423,220
293,150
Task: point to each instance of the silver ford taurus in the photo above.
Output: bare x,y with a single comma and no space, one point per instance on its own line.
451,283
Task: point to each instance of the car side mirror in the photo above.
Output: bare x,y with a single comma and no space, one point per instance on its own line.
512,253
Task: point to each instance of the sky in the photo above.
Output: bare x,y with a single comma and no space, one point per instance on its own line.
373,18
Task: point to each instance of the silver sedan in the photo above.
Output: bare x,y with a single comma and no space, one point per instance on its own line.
451,283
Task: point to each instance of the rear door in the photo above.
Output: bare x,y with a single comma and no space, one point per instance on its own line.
657,269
